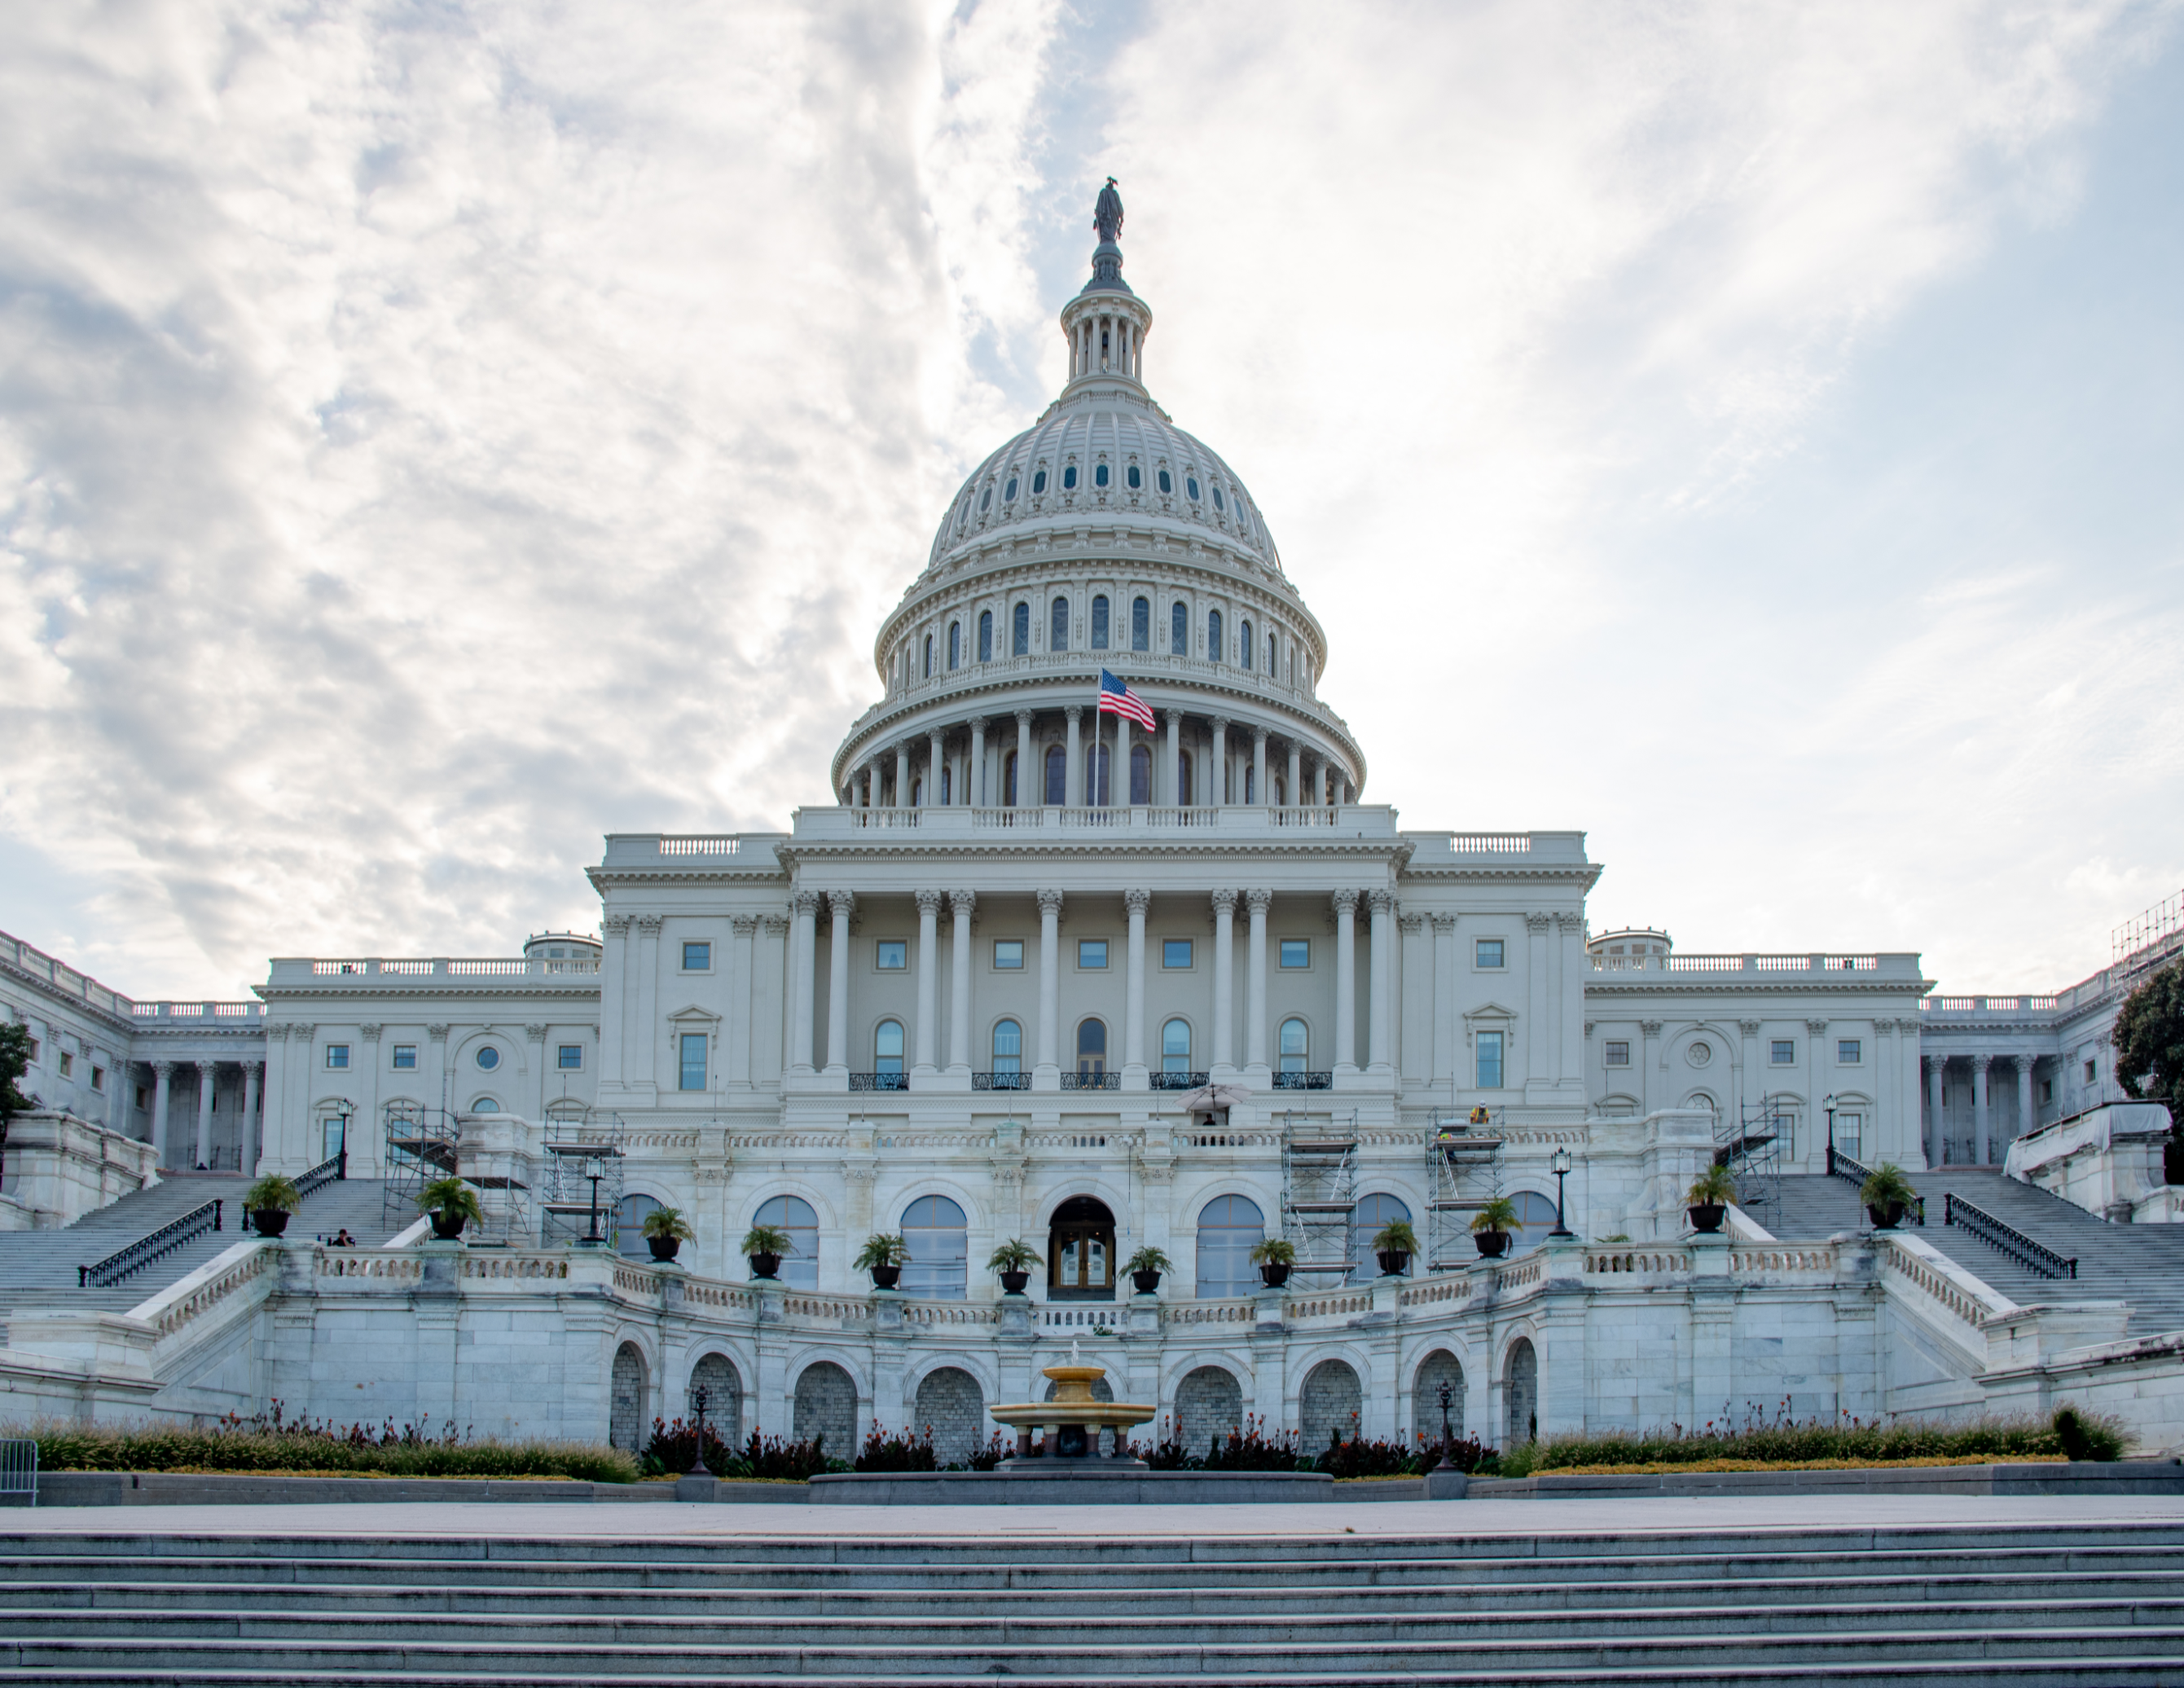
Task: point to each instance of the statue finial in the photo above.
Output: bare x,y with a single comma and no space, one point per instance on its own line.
1107,213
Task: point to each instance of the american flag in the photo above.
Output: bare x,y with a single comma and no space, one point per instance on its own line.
1117,699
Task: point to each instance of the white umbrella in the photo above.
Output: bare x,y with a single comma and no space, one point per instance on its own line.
1209,1098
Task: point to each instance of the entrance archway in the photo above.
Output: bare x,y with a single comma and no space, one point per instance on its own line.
1080,1251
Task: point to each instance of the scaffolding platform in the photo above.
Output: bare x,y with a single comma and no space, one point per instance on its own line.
1319,1194
1463,1171
581,1181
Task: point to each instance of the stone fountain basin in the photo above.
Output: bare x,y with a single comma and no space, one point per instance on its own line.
1111,1415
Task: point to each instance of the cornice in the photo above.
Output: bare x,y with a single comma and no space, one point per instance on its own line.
546,989
1743,984
1393,850
84,1006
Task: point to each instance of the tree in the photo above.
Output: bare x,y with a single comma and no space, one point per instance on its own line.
2149,1041
14,1062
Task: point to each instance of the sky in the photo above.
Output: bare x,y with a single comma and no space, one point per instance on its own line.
435,436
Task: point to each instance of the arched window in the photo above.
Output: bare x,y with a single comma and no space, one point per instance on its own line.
485,1104
1217,504
1057,776
940,1256
1190,486
1100,622
1099,472
1008,1047
1039,483
1166,484
1057,626
1230,1227
1141,624
1251,784
1091,1049
1141,774
627,1221
929,656
1080,1251
1178,629
1214,652
1020,637
1136,477
985,500
887,1048
799,1266
955,646
1175,1047
1244,643
1069,479
1009,492
985,635
1536,1217
1295,1046
947,784
1366,1219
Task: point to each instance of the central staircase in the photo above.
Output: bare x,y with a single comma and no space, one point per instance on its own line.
2028,1605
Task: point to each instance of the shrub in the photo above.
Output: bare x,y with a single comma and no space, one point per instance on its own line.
1273,1251
450,1196
773,1460
881,1249
1714,1187
1149,1259
1395,1237
1249,1448
1015,1254
667,1222
1885,1184
673,1450
767,1239
272,1193
1497,1214
902,1452
990,1456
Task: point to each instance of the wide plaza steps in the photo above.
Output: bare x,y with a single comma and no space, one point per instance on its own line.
2030,1605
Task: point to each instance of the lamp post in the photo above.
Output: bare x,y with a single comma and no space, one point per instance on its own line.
1443,1465
1831,1105
698,1396
1560,1165
594,1169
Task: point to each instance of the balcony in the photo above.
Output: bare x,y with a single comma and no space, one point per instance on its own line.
1000,1081
1179,1081
1976,1007
879,1081
1304,1081
1091,1081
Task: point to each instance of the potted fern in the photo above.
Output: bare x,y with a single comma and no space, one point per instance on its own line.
1395,1242
882,1256
1492,1225
1273,1256
1145,1266
1013,1260
1709,1197
764,1247
448,1202
666,1230
1886,1192
269,1201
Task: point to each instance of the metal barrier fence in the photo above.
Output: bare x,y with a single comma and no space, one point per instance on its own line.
19,1473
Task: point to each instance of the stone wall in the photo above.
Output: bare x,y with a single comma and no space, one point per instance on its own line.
1209,1402
1331,1403
827,1405
952,1407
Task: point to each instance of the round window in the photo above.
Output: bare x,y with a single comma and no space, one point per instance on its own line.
1190,486
1039,483
488,1058
1699,1054
1069,477
1009,492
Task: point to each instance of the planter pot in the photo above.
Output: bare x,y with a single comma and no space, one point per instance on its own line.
269,1222
1493,1244
1274,1274
1144,1282
663,1248
886,1277
1885,1217
1013,1283
446,1226
1393,1261
764,1265
1706,1215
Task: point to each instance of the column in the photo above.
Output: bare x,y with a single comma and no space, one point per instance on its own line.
1217,784
841,907
1319,782
932,759
871,780
1979,1109
1444,1001
1073,769
1224,1000
1346,981
647,1046
1047,1073
1118,787
1170,780
1254,982
615,994
1293,794
739,1002
1649,1037
803,969
2026,1115
1259,793
1134,998
1027,777
1384,949
960,904
974,786
1937,1136
1534,1035
162,1075
203,1157
902,775
928,979
250,1137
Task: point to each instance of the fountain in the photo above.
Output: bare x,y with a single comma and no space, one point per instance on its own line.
1073,1415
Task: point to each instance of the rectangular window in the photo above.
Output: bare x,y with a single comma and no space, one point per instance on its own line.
1487,953
35,1047
68,1063
1782,1052
99,1078
1296,952
337,1055
2089,1069
140,1096
572,1057
1175,952
697,958
1850,1136
1618,1052
693,1061
1008,955
1849,1052
892,955
1489,1060
1092,952
405,1057
2046,1091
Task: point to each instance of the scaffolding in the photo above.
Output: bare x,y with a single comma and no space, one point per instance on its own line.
1463,1171
420,1147
1752,1146
1319,1192
583,1181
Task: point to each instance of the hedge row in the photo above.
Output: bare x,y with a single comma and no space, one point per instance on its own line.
250,1446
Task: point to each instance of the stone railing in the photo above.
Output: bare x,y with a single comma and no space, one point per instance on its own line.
1209,1312
180,1305
1348,1306
346,1262
61,1167
1652,1260
1782,1263
1954,1293
939,823
759,1140
1948,1007
214,1017
1431,1291
382,971
1892,966
26,959
932,1313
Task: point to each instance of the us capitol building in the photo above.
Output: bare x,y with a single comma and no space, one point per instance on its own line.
1045,973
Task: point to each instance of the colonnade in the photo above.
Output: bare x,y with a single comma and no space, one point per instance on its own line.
1937,1065
163,1077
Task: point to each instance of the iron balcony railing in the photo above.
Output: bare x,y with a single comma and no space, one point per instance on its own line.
140,1254
1179,1081
2032,1256
1000,1081
1304,1081
879,1081
1091,1081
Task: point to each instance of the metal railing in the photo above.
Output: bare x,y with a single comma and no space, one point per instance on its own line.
18,1470
2032,1256
1841,1166
879,1081
1000,1081
325,1172
1304,1081
140,1254
1091,1081
1177,1081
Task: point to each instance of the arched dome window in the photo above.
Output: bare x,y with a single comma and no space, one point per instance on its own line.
1097,757
1175,1047
929,656
1100,474
1020,633
955,646
1136,477
1039,483
1009,492
1217,504
799,1266
1009,781
939,1255
1243,644
1190,486
985,635
1273,666
1057,776
887,1048
1230,1227
986,500
1141,624
1057,630
1178,629
1166,484
1182,779
1215,652
1091,1049
1100,622
1069,479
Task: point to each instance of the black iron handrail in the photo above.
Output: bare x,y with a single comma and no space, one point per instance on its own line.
1304,1081
325,1172
879,1081
1000,1081
2033,1255
140,1254
1841,1166
1177,1081
1091,1081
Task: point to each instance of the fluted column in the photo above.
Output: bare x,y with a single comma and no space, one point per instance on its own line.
1224,999
2027,1115
902,775
1259,793
1319,782
252,1139
1383,946
841,907
1170,782
1979,1109
928,979
1072,777
1028,793
933,747
163,1078
974,785
960,904
1046,1074
1133,997
1293,794
1255,983
803,973
1219,793
1346,981
203,1157
1937,1131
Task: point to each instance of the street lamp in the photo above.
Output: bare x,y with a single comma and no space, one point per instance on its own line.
1560,1165
698,1396
1831,1105
1445,1435
594,1169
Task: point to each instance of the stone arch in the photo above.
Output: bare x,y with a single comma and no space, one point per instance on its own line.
626,1398
1329,1403
1520,1388
1209,1403
716,1374
826,1405
1441,1367
952,1406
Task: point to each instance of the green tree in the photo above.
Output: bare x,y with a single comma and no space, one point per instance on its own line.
2149,1041
14,1062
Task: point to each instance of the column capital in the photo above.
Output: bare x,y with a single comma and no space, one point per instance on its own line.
535,1033
1345,900
1935,1058
1259,901
277,1031
743,925
1219,723
2023,1063
1443,925
615,926
1224,902
438,1033
255,1069
1413,924
1383,902
369,1031
1023,720
1819,1028
842,904
1652,1028
964,904
648,925
804,902
1138,902
1258,738
1749,1027
928,903
1571,920
1538,923
773,925
977,722
1075,713
165,1069
1050,902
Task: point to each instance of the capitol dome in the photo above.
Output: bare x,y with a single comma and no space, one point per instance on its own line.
1101,537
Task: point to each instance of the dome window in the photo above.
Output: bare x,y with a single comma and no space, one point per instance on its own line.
1214,650
1057,631
985,635
1009,492
1167,484
1039,483
986,500
1100,622
1190,486
1136,477
955,645
1099,476
1020,632
1069,479
1141,624
1178,629
1217,504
